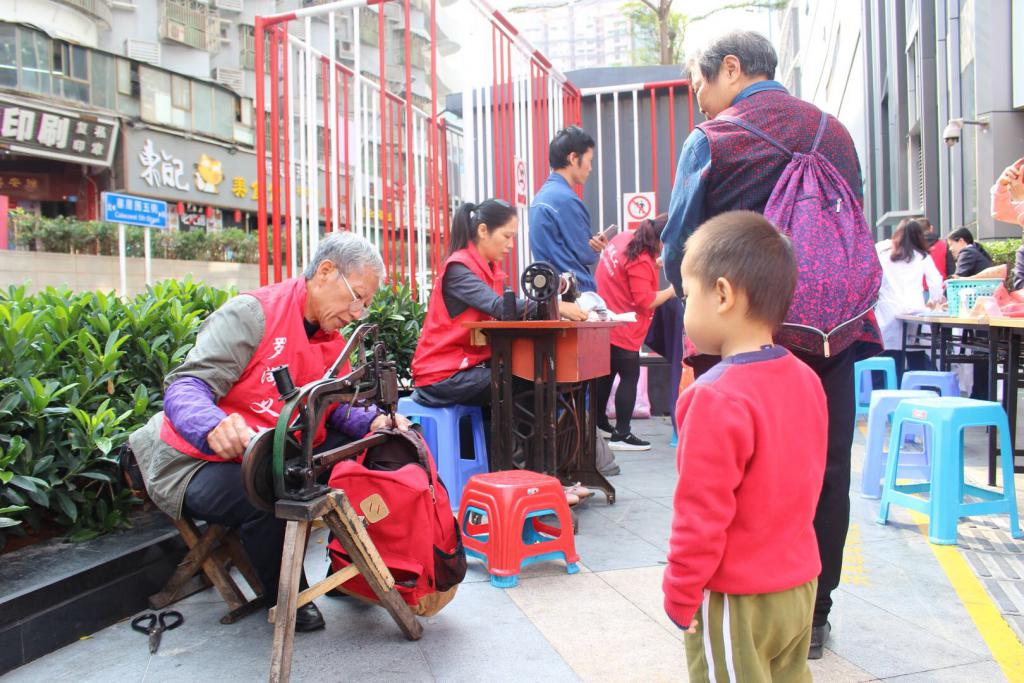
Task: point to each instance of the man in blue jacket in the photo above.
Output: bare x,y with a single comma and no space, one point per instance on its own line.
559,222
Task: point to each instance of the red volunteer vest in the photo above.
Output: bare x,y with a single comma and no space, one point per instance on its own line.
613,287
254,396
444,347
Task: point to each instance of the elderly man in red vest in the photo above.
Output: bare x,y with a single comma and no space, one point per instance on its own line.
723,167
215,401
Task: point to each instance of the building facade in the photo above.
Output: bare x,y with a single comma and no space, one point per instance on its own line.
578,34
155,97
907,69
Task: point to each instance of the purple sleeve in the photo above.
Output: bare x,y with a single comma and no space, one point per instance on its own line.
353,421
188,404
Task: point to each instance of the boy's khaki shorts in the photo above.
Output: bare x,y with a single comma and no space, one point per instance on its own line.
752,638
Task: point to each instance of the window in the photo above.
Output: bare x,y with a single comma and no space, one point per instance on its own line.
181,102
103,80
156,96
127,78
202,111
8,56
223,114
70,68
35,61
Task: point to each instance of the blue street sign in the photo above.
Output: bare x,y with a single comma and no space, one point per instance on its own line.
124,208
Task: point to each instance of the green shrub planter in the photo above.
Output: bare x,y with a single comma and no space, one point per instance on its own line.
79,372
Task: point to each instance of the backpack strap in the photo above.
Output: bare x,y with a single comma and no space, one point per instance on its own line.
756,131
821,131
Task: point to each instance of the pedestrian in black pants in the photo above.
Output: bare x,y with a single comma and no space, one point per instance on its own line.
625,364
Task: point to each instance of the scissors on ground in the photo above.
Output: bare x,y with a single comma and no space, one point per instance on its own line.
155,624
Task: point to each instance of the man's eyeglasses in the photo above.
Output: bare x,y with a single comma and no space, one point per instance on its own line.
358,306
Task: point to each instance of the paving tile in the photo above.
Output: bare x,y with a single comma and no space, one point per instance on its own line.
832,668
979,672
647,519
642,587
598,632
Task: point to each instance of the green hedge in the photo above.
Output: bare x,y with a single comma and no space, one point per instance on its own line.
80,371
1003,251
70,236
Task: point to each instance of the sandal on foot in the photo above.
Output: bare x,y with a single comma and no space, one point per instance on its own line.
579,490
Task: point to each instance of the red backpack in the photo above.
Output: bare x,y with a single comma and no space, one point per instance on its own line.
395,488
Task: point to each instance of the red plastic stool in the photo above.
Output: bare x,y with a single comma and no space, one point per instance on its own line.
500,514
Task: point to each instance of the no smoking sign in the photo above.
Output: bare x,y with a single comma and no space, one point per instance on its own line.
639,206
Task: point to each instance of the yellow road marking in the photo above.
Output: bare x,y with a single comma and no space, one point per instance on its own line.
1002,642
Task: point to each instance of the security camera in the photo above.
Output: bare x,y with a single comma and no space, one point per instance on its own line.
951,135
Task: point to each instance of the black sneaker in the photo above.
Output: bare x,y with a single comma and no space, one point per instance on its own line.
628,442
308,618
819,636
605,430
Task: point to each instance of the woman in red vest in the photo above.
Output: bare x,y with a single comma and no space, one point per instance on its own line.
627,280
447,368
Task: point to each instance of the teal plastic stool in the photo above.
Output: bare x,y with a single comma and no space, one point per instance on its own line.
946,419
862,384
946,383
440,428
914,465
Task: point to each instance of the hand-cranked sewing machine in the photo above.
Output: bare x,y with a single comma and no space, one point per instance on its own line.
280,472
542,283
279,464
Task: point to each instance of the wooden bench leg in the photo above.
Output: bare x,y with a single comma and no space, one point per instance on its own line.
287,600
347,528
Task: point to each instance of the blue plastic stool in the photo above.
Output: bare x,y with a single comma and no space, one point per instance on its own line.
946,418
441,432
912,465
945,383
862,382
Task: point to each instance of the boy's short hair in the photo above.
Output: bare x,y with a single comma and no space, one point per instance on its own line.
747,250
566,141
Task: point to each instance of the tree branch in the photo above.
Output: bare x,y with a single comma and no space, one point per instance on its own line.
752,4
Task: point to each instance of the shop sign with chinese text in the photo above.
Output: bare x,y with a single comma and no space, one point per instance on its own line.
46,131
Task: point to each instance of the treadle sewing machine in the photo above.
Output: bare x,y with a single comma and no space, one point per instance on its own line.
562,359
280,473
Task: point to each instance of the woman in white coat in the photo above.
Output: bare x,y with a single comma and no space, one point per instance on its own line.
905,264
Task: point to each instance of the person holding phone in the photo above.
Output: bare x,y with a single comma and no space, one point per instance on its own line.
1008,206
627,280
560,228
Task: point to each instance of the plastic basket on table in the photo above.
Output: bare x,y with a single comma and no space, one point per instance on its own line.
980,287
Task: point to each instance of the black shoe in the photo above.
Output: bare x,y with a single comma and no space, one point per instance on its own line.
628,442
819,636
308,618
606,430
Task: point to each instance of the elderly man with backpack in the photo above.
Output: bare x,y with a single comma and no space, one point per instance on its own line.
764,150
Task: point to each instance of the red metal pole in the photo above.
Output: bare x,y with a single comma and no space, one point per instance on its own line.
261,155
654,145
345,85
275,141
410,179
444,180
385,180
435,226
287,160
495,119
672,124
325,77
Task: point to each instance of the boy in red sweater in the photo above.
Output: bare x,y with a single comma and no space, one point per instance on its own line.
743,559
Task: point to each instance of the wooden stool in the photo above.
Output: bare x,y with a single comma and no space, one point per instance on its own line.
346,526
207,563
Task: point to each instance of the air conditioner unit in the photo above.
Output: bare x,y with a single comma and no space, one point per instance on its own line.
231,78
228,5
123,4
175,32
142,51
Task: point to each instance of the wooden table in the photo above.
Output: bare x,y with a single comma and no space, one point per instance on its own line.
560,358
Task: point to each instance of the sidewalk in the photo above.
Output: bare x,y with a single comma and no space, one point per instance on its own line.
898,614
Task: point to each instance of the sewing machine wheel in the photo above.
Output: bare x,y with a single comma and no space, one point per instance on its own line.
258,471
540,281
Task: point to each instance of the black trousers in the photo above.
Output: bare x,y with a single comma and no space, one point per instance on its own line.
832,517
625,364
215,495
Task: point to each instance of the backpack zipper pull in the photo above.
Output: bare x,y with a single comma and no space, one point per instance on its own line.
839,205
826,348
431,487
